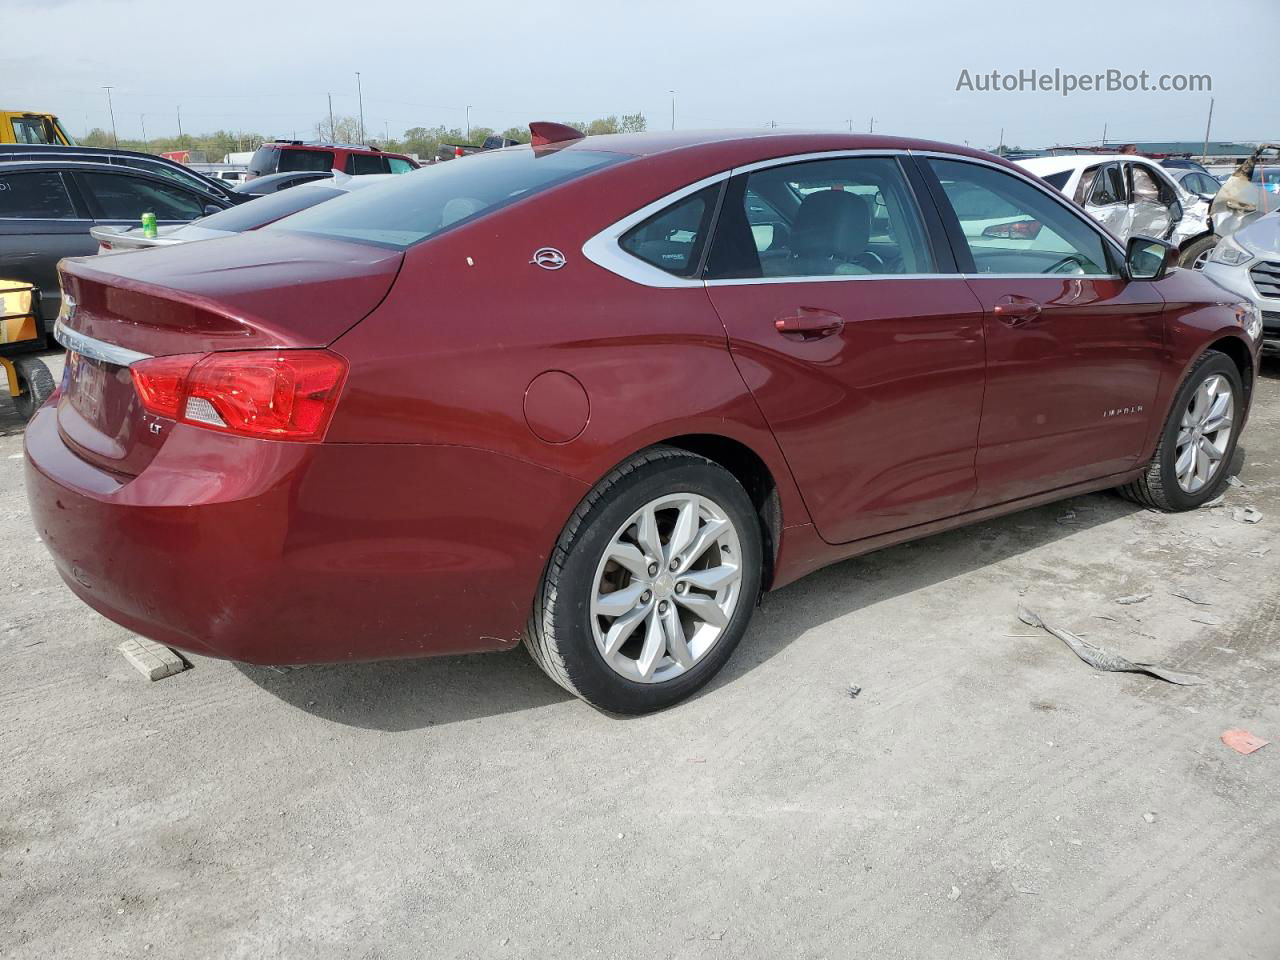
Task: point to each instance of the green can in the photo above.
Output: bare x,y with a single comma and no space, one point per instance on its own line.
149,225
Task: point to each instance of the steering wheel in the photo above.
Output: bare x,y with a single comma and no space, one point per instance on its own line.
1070,260
871,260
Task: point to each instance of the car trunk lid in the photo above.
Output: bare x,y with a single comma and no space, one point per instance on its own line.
250,291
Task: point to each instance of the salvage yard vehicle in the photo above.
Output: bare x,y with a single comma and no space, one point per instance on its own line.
1248,264
1195,181
48,206
1132,196
238,219
22,334
601,410
25,126
291,156
146,162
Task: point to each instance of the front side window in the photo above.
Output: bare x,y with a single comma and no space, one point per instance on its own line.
400,165
164,170
294,160
122,197
1033,234
1145,188
31,130
672,239
1108,188
35,196
847,216
362,163
411,208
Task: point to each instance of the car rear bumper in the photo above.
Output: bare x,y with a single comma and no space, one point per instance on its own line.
286,553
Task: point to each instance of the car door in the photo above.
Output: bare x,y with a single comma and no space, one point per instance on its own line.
1105,198
1152,203
1073,349
40,223
860,342
122,196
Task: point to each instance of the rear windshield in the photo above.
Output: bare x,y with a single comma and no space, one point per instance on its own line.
264,210
420,204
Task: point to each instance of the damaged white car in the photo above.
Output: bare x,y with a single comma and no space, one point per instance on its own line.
1132,196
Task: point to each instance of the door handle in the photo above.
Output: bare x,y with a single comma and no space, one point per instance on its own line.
809,323
1015,310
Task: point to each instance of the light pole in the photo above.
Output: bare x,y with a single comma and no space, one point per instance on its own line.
386,127
179,122
332,135
673,109
143,118
360,94
468,123
112,110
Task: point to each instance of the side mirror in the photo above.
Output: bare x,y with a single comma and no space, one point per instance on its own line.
1175,211
211,208
1149,259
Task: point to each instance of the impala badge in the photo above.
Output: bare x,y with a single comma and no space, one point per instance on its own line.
548,258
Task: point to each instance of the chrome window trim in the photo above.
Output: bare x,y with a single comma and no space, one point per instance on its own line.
96,349
604,251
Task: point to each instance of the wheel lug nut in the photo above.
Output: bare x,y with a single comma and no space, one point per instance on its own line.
675,563
653,569
646,597
680,587
662,607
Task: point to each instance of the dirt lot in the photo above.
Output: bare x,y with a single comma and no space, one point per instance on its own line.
987,795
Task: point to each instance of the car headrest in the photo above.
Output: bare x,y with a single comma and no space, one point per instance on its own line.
831,223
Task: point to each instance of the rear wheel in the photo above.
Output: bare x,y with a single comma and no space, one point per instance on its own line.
35,385
1192,460
651,585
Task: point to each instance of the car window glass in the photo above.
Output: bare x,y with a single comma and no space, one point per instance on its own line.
672,239
1058,180
1108,188
255,213
41,196
29,130
399,165
292,160
164,170
122,197
264,160
1034,234
1145,188
362,163
848,216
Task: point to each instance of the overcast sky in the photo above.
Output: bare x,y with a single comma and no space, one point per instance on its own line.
267,67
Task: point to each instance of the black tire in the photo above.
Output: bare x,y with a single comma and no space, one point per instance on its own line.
35,385
1158,487
560,637
1188,255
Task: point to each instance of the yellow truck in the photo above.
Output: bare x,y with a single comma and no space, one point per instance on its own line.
25,126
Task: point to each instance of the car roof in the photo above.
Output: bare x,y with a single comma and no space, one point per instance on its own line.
85,166
747,146
1078,161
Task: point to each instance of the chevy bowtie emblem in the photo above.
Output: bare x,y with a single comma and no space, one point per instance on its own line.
548,258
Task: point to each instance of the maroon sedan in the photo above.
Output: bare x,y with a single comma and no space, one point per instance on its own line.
597,394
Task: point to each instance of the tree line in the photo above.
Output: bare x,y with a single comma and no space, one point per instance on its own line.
426,142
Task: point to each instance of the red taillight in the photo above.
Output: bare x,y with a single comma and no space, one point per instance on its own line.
1014,230
271,394
160,380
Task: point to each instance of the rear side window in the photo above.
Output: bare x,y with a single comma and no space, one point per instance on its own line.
268,209
1058,180
361,163
672,239
400,165
264,161
164,170
122,197
37,196
418,205
291,160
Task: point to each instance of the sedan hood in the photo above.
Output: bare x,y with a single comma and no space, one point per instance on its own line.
1262,237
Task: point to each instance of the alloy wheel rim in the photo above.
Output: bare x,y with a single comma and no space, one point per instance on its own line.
1204,433
666,588
1201,259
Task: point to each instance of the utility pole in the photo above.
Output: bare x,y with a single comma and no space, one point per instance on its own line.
332,136
143,118
179,122
1104,135
673,109
850,122
112,110
468,137
1000,148
386,127
1209,123
360,94
872,128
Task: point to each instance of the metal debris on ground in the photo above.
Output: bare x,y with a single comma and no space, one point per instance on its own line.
1136,598
153,660
1235,482
1242,741
854,690
1149,817
1099,659
954,894
1068,517
1217,501
1246,515
1191,598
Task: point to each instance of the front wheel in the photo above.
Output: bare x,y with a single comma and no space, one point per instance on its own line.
1191,462
651,585
1194,255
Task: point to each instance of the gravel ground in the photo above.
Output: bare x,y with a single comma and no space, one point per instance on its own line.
986,795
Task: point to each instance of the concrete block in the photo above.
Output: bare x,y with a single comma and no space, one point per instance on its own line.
153,660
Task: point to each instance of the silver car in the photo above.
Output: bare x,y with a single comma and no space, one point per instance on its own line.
1248,264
